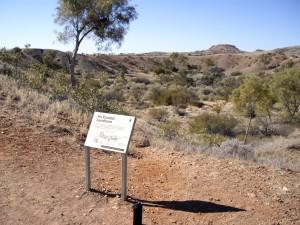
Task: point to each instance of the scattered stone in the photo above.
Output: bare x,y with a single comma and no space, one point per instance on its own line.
285,189
143,142
251,195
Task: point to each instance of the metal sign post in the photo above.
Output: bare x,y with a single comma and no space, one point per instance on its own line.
109,132
124,177
87,168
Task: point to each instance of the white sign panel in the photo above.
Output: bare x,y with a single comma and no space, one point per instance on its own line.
110,132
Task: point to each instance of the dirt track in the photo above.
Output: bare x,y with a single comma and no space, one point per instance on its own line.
42,180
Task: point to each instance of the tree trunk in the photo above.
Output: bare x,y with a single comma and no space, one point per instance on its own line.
72,64
72,71
247,131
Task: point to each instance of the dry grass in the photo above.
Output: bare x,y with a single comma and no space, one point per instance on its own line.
59,116
64,118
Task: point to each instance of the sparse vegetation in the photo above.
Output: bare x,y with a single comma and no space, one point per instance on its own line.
286,88
211,123
104,84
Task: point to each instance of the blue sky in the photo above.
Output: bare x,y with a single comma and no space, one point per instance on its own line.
166,25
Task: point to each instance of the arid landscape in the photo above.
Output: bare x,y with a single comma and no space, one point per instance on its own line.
178,176
119,112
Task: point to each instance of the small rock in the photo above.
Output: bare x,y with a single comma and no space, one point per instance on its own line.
251,195
285,189
143,142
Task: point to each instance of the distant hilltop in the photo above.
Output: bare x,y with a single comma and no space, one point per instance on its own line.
219,49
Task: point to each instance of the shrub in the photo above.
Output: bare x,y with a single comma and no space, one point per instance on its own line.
160,115
141,80
36,76
227,85
114,93
172,96
160,69
91,100
137,92
286,88
48,59
235,148
208,62
170,129
236,73
265,59
59,86
210,123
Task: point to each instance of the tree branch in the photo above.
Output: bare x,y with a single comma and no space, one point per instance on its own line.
85,34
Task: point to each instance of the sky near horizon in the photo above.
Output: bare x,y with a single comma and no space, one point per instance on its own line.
166,25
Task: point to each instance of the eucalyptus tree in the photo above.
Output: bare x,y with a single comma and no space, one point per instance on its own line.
106,21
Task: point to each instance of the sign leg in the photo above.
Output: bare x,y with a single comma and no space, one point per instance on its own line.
124,177
87,169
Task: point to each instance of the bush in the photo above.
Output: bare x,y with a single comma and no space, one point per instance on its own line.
170,129
159,69
286,88
236,73
60,86
208,62
265,59
137,92
141,80
172,96
160,115
36,76
210,123
48,59
114,93
91,100
235,148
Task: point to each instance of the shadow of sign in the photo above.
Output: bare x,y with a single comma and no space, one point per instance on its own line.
193,206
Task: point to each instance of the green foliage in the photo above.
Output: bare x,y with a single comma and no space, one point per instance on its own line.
36,76
105,21
214,75
211,139
48,59
160,114
227,85
181,79
286,88
91,100
170,129
253,97
159,69
5,55
59,86
213,124
172,96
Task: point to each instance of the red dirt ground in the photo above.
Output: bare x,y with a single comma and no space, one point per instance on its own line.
42,178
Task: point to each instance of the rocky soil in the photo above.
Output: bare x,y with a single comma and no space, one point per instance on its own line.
42,182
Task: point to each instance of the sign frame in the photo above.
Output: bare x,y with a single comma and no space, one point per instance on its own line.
123,153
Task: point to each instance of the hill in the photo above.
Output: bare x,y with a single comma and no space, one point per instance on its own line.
43,174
